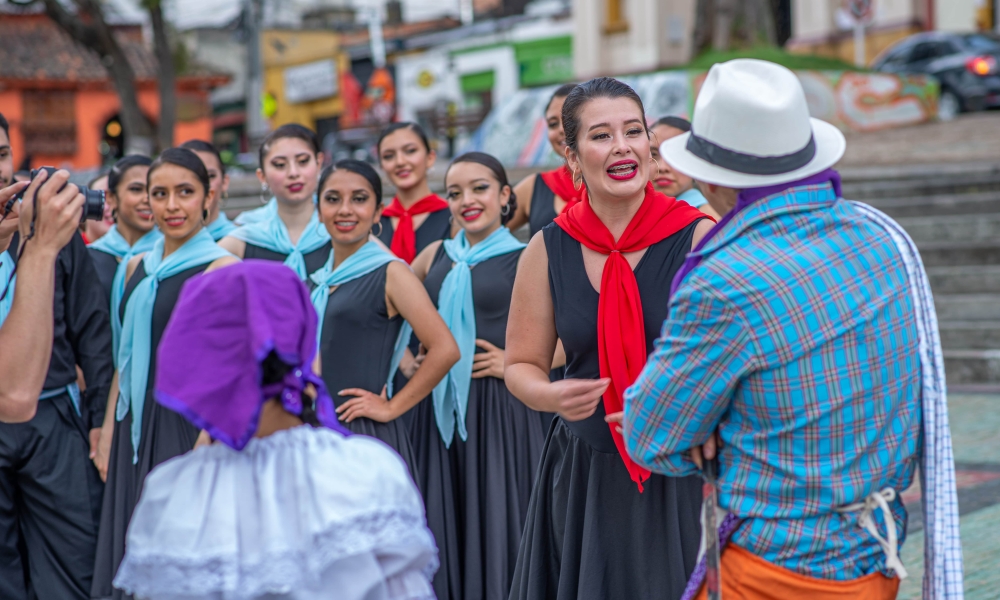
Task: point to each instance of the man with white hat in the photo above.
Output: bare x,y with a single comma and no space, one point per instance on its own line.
801,331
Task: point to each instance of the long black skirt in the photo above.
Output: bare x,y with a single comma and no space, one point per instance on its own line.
590,534
477,491
165,434
395,434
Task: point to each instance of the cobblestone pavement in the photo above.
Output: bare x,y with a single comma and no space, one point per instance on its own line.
975,430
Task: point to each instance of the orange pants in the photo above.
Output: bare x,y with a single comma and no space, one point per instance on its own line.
749,577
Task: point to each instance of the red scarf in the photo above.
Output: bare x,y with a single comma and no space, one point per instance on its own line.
560,182
404,239
621,334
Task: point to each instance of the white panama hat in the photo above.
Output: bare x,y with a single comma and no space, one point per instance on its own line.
751,128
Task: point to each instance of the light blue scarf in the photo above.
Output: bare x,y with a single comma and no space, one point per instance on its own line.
369,257
694,197
220,227
112,243
273,235
137,329
6,268
258,215
455,305
124,253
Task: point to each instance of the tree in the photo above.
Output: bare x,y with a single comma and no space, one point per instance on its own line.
89,28
716,22
166,78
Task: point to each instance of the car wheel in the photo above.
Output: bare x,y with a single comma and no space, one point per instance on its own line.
949,106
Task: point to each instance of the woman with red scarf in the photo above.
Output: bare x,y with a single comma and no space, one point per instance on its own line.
551,193
416,216
599,526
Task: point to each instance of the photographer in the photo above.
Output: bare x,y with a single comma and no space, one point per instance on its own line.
50,492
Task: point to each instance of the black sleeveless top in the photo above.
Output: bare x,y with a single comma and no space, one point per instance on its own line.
314,260
492,286
543,206
167,293
105,264
358,336
575,302
437,226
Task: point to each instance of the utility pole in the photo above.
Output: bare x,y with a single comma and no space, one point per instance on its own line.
257,126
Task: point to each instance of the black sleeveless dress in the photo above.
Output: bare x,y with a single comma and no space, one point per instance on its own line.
105,264
356,345
437,226
314,260
590,534
543,206
477,491
165,434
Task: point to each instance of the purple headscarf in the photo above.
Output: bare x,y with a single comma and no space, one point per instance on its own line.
224,325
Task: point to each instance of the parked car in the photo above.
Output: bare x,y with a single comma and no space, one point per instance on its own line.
965,64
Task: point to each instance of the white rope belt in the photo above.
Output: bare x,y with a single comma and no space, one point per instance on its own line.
867,508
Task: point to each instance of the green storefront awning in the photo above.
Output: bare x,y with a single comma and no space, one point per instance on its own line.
545,61
477,82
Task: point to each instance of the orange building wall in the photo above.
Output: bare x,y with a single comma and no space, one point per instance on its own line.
93,108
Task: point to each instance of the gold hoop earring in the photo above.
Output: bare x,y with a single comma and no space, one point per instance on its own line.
577,181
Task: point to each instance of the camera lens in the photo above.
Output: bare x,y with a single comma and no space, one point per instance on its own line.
93,204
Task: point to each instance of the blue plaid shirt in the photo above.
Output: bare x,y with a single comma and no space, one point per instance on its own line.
795,338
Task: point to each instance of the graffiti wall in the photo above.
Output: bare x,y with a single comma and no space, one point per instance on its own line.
514,132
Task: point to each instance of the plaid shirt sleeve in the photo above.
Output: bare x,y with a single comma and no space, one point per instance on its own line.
703,351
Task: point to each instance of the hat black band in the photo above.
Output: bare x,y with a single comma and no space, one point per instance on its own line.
749,163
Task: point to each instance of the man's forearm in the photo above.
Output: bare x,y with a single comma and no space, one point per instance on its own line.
26,336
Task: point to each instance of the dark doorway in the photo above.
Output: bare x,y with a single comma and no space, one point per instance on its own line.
782,20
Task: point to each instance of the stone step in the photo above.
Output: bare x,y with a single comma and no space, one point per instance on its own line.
972,368
955,228
970,335
861,183
954,254
943,205
965,279
967,307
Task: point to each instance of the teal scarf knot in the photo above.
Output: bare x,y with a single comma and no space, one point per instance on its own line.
272,235
135,349
369,257
455,305
114,244
221,227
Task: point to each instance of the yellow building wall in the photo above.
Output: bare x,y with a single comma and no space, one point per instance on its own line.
842,46
281,49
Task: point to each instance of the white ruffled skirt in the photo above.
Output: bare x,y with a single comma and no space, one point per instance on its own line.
304,514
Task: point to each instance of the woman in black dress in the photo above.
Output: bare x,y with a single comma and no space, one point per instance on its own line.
289,230
363,311
546,195
416,216
590,532
477,465
178,194
126,195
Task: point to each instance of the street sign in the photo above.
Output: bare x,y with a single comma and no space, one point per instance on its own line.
860,10
311,81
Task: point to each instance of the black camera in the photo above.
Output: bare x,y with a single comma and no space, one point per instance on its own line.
93,200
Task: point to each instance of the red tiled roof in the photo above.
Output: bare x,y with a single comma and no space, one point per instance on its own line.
35,49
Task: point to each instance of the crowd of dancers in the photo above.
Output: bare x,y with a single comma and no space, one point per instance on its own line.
491,368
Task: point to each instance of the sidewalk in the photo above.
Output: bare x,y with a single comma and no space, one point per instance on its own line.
975,432
969,138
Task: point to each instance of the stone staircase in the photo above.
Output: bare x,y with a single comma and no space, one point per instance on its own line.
952,212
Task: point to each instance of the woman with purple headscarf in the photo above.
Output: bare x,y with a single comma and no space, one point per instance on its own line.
286,504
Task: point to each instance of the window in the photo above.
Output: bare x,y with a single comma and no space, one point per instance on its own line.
931,50
979,42
616,21
49,125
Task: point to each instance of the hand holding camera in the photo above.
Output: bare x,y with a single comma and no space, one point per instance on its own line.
51,211
9,222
